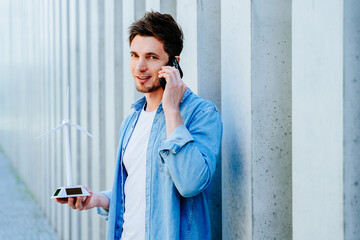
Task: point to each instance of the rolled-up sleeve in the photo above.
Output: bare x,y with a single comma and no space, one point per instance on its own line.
191,152
102,211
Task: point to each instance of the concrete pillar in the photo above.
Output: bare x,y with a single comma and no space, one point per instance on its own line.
67,220
53,121
109,93
101,166
83,91
256,88
73,80
209,86
129,90
140,6
271,119
187,19
168,6
58,111
49,107
95,111
152,5
317,86
118,69
351,119
236,114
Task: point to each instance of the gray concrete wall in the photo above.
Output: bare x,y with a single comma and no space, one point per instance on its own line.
352,119
256,105
236,113
284,74
271,119
317,126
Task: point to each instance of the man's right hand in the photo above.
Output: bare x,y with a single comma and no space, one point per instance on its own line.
87,202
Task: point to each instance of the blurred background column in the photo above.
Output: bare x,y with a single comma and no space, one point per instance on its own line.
256,108
352,119
318,119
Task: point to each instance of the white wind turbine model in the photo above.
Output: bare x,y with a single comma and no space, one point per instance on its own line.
69,190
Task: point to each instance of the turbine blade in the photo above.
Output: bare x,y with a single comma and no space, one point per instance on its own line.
81,129
51,131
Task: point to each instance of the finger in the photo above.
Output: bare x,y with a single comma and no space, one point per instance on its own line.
71,202
170,70
164,75
173,74
61,200
87,202
79,204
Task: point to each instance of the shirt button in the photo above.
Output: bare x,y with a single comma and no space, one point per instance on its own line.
117,227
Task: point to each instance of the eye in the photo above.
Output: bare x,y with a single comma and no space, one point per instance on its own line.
133,55
153,57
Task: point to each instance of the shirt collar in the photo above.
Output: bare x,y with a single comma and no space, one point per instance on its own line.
139,104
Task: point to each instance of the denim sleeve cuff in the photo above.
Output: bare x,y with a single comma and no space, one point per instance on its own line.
177,139
102,211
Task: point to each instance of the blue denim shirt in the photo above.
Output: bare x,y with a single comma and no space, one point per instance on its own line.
179,171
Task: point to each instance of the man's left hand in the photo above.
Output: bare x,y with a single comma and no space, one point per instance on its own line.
173,93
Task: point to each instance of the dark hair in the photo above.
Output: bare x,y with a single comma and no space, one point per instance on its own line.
161,26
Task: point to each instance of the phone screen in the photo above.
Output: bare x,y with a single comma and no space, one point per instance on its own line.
174,63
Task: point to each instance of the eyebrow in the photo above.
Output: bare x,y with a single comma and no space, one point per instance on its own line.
147,54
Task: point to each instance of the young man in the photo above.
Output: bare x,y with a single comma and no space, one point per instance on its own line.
168,147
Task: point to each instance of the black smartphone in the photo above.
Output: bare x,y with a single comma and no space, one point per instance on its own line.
174,63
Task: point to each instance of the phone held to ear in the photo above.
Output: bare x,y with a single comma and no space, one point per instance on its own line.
174,63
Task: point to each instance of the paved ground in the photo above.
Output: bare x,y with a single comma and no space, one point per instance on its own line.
20,216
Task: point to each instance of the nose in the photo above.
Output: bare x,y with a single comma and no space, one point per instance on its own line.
141,65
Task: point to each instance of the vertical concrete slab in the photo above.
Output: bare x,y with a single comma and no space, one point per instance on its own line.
102,104
58,113
90,108
67,220
139,11
48,79
109,89
209,52
128,16
168,6
209,87
74,78
318,130
351,119
140,8
95,111
39,84
84,108
45,93
54,106
153,5
271,119
119,40
187,18
236,115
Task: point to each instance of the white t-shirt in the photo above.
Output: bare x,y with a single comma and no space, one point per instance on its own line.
135,165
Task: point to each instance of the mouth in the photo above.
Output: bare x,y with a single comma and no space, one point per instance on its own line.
143,79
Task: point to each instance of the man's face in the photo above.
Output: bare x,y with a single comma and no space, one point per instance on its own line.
147,56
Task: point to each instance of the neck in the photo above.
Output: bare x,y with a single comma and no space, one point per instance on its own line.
153,100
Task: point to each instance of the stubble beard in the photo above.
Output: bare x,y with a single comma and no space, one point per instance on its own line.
149,89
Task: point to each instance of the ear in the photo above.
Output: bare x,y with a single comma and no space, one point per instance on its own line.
178,59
